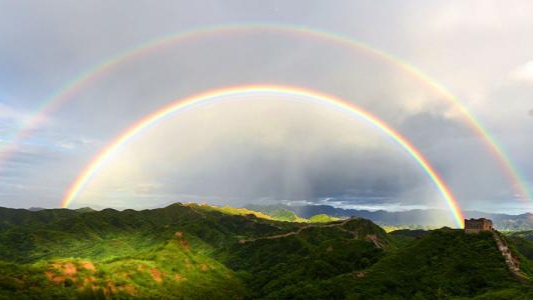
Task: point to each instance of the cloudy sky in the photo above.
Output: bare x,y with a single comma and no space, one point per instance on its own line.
258,148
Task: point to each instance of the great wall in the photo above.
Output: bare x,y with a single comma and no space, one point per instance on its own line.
473,226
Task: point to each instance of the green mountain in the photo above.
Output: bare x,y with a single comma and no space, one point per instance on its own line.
322,218
204,252
286,215
22,217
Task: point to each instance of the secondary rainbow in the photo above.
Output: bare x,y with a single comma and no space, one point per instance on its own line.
211,96
53,102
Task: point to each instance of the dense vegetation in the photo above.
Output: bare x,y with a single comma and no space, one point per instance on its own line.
203,252
322,218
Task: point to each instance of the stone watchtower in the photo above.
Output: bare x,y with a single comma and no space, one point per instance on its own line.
485,225
477,225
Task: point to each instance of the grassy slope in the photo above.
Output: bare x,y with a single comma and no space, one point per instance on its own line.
285,215
322,218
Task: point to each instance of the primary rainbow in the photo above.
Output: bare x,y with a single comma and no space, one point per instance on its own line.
70,88
216,95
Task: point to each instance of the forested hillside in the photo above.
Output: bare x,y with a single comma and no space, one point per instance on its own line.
203,252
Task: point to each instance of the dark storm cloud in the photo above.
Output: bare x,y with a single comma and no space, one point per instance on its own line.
425,126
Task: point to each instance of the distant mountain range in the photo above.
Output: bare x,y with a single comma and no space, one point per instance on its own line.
417,218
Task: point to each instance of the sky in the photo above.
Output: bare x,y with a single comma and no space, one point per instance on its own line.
265,149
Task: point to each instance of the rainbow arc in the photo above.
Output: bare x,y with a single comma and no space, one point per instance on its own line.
56,100
181,105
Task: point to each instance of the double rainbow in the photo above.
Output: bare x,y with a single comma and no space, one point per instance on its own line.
52,103
178,106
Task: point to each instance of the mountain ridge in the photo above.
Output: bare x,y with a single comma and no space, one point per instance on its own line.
413,218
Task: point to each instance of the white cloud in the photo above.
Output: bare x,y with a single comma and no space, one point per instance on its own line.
12,114
523,73
75,143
